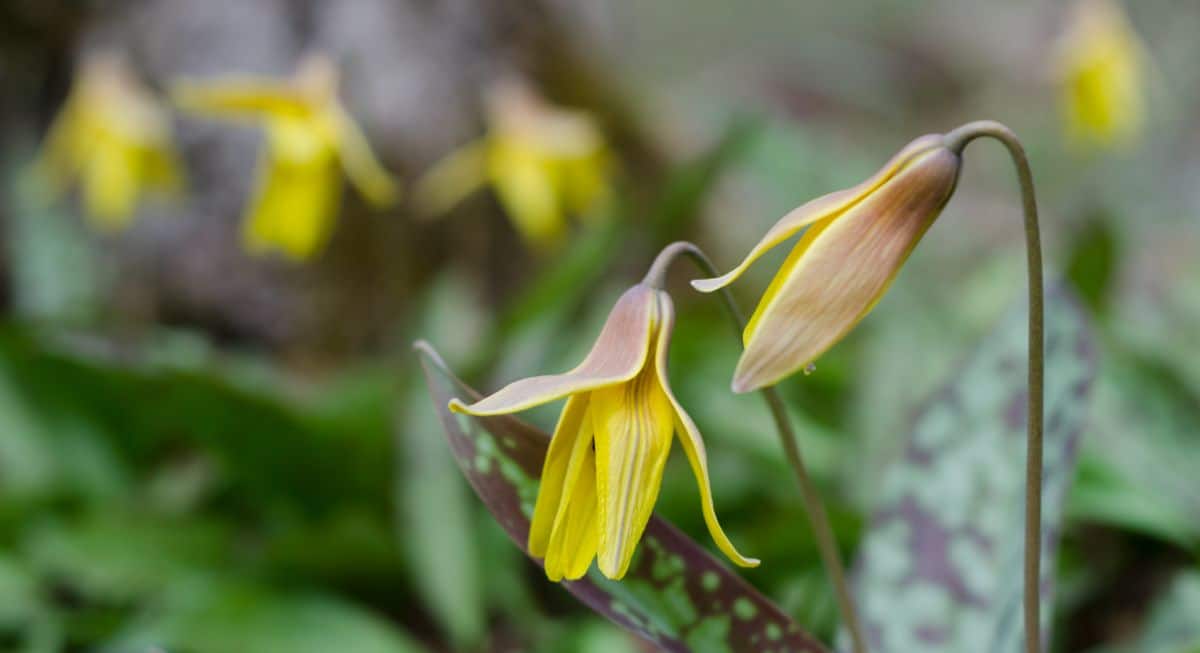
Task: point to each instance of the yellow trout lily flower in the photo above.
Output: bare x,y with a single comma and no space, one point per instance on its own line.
856,241
309,134
115,137
604,467
544,162
1100,68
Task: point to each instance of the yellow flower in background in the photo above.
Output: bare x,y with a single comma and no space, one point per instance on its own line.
604,467
544,162
309,135
855,243
114,137
1100,67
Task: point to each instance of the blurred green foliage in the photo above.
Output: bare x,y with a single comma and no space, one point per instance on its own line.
170,475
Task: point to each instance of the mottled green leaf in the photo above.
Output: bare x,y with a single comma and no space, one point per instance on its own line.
676,596
940,567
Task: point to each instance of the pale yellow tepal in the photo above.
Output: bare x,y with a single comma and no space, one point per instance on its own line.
545,163
309,135
1101,66
114,137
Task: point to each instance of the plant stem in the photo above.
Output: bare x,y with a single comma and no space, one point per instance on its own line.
957,140
826,543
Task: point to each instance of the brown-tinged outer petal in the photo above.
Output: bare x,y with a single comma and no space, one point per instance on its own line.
822,207
833,279
689,438
619,353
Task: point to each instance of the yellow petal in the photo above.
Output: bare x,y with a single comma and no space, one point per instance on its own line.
836,274
619,354
818,209
525,184
1100,63
240,98
360,163
452,179
111,185
554,470
575,535
689,437
294,209
633,425
57,162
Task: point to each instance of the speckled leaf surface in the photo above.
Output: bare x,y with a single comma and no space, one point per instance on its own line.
940,569
677,596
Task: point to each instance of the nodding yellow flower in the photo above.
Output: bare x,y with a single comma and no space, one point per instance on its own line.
544,162
1100,68
115,137
308,135
604,467
856,241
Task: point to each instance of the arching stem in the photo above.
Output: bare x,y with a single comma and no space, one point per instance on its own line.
956,141
826,543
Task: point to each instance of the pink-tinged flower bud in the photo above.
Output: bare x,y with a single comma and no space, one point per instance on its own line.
855,242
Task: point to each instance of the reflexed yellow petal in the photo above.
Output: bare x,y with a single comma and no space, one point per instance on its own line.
452,179
633,425
293,212
619,354
689,437
360,164
836,275
525,184
240,97
823,207
575,535
554,470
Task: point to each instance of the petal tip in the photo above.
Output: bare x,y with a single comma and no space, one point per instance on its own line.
709,285
742,385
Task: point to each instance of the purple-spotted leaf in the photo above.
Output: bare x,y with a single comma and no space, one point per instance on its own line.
676,596
940,569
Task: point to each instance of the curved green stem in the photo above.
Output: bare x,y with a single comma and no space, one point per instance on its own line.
826,542
957,140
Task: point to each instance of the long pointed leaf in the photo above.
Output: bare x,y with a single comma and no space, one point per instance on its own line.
676,596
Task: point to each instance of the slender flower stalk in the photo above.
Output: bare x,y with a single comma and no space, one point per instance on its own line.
603,470
855,243
956,141
826,541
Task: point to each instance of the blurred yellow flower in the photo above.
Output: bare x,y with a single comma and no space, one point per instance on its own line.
544,162
1100,68
309,133
115,137
604,468
855,243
